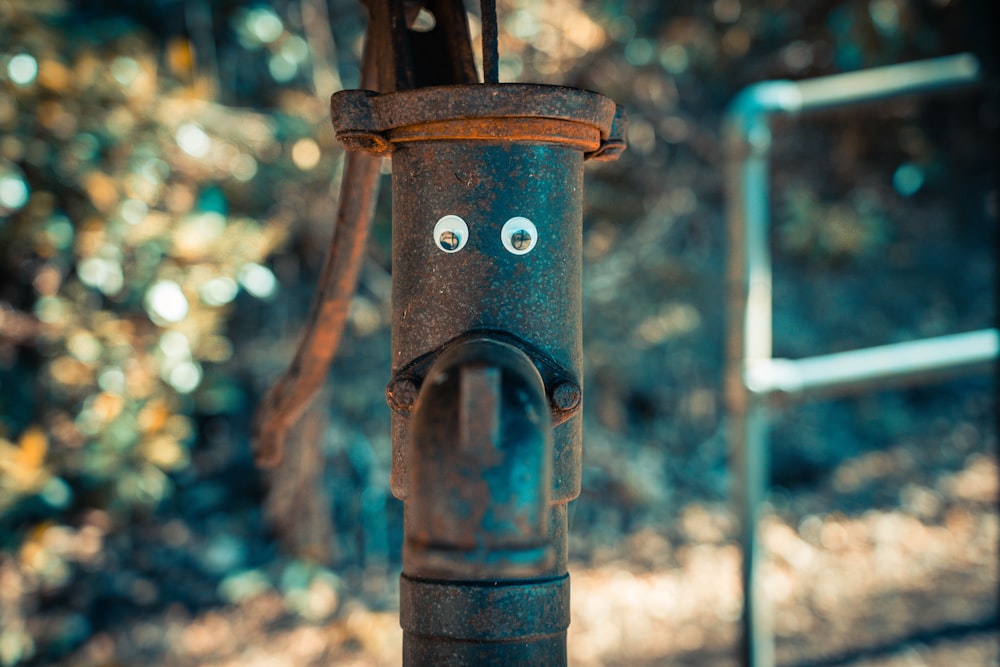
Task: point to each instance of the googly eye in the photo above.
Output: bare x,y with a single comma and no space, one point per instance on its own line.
519,236
451,233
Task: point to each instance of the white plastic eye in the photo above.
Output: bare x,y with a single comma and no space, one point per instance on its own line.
451,233
519,236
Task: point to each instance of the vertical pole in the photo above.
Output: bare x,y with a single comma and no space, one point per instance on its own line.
749,341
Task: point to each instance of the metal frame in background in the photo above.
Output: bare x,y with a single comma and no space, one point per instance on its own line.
752,375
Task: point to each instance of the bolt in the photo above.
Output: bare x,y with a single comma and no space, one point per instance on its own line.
401,394
566,396
521,239
449,240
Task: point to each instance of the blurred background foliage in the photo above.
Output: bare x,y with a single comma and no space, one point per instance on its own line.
168,181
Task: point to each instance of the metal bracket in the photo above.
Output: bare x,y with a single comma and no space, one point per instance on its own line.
408,58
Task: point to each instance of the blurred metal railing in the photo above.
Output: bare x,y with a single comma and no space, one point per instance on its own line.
752,375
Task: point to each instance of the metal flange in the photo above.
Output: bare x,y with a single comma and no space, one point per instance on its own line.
585,120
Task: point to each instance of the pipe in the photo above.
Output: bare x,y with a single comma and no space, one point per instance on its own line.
487,200
874,365
760,101
747,135
484,581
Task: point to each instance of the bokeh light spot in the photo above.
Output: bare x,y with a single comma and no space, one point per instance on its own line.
258,280
885,16
51,309
185,377
523,24
674,59
305,154
112,380
175,345
424,22
511,66
219,291
59,231
101,273
639,52
797,55
908,179
56,493
165,301
295,49
726,11
264,25
84,346
193,140
14,193
22,69
133,211
282,68
125,70
243,167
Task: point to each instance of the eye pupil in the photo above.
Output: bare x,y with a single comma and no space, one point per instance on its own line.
450,233
521,239
519,235
449,240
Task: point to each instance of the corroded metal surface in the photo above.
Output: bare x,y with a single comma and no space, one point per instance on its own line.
378,123
487,357
487,366
487,331
487,354
564,394
519,623
439,297
481,468
484,572
490,611
291,394
409,59
293,391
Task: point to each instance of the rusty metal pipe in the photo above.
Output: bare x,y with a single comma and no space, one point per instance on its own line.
481,576
487,185
290,395
486,390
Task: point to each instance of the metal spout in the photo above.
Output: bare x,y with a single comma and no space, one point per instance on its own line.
481,445
484,580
